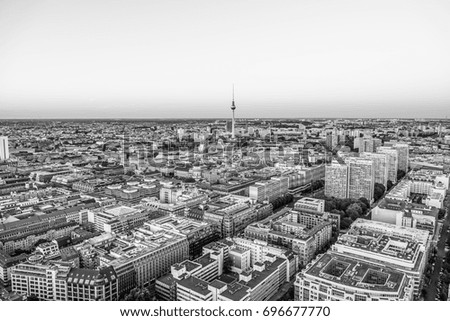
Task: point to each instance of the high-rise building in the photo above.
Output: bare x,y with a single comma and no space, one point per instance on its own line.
336,180
381,166
4,148
403,156
392,155
366,144
360,178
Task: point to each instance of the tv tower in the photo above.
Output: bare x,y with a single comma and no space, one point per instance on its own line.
233,107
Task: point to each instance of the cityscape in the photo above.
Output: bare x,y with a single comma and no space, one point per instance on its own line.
170,150
225,210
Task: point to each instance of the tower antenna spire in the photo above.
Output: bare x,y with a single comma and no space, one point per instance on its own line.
232,95
233,107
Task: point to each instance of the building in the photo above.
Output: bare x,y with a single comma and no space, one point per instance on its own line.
336,277
400,248
381,166
361,178
308,203
45,280
269,190
198,233
119,219
403,156
402,213
392,161
143,256
259,284
259,249
4,148
206,268
233,214
92,285
336,180
303,233
7,262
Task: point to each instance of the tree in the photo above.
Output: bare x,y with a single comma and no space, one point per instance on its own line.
363,207
354,211
330,205
138,294
32,297
365,201
344,203
345,223
341,213
378,191
389,184
400,174
441,214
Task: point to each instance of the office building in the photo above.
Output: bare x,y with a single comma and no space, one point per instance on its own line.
46,281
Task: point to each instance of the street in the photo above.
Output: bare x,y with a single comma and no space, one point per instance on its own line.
432,287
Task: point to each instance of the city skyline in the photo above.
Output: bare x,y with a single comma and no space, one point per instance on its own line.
156,60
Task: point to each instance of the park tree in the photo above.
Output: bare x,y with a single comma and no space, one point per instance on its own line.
389,184
365,201
138,294
400,174
354,211
346,222
378,191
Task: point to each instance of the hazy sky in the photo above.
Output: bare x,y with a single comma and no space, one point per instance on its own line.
179,58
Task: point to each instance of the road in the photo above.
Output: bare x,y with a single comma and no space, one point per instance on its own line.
432,287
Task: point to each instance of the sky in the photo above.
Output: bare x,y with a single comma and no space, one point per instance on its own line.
179,58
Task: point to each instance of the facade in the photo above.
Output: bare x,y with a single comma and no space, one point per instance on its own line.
233,215
402,213
139,259
92,285
381,166
269,190
361,178
336,180
45,280
403,156
392,155
7,262
308,203
118,219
